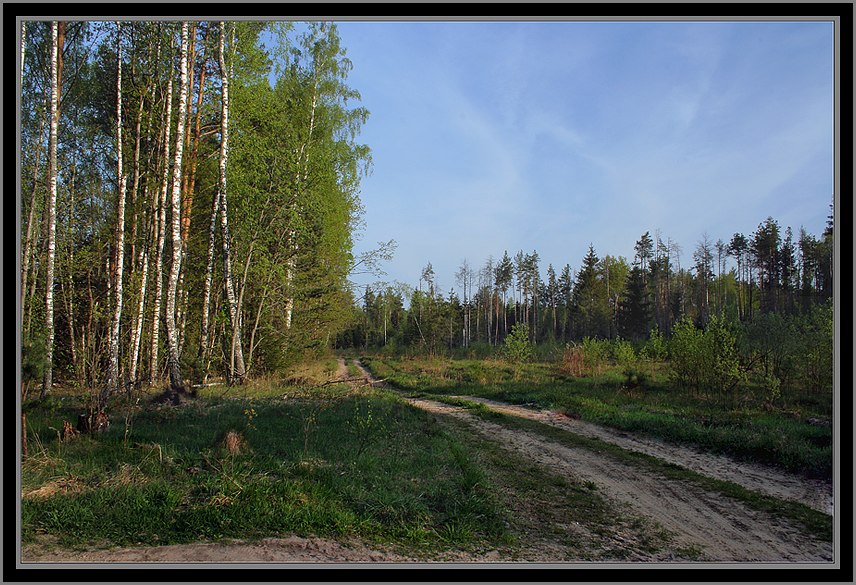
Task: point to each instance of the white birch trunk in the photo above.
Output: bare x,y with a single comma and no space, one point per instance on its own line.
32,225
137,333
51,213
302,171
161,238
237,355
136,183
206,295
174,366
113,373
23,46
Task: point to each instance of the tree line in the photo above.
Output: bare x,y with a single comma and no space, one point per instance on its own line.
188,197
741,280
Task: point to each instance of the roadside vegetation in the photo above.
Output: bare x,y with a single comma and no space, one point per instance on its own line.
695,389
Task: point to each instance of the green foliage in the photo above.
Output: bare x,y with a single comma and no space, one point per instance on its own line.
706,361
815,360
690,355
595,354
656,348
797,350
624,353
517,346
380,470
726,373
33,356
754,431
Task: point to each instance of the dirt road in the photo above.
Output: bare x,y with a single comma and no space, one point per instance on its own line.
765,479
725,529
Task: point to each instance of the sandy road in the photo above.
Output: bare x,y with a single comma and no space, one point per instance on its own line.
723,528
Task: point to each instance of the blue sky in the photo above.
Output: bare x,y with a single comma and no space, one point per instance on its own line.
551,136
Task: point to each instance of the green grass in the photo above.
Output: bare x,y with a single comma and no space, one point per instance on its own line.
750,432
329,461
328,464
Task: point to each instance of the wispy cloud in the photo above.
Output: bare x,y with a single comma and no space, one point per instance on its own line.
552,136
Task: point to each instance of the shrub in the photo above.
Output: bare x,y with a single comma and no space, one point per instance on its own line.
690,355
656,349
815,369
624,353
573,360
725,374
595,353
517,346
706,360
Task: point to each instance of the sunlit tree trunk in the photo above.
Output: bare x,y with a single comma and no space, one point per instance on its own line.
32,222
51,213
113,371
23,45
237,355
68,284
137,335
161,238
172,332
206,295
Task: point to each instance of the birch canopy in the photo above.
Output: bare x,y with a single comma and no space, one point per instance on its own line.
188,199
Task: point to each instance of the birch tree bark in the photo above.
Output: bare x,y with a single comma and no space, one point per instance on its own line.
161,238
32,223
112,383
23,47
206,295
137,334
174,366
237,356
51,214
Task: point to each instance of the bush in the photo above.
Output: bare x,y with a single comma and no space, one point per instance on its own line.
690,355
517,346
656,349
624,353
573,361
725,374
595,354
706,360
815,332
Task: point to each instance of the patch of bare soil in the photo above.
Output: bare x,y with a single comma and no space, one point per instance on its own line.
270,550
341,369
724,529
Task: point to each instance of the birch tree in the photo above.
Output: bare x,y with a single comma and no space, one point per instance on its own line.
174,365
51,212
236,356
119,247
161,237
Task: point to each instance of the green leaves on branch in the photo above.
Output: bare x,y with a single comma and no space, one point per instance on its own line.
517,346
706,361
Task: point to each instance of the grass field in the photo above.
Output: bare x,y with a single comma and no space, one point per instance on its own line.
276,458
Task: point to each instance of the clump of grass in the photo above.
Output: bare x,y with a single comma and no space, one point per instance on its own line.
233,443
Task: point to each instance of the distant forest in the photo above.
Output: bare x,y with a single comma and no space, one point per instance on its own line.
744,280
